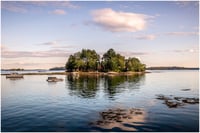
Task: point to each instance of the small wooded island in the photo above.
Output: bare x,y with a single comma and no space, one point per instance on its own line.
89,61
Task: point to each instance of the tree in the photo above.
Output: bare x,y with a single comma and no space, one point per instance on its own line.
86,60
113,61
134,64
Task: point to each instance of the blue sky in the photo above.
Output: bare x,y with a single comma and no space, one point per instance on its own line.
43,34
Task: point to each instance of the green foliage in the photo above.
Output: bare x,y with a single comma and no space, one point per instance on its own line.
134,64
113,62
86,60
89,60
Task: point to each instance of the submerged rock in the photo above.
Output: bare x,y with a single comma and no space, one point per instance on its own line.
162,97
117,116
174,102
191,100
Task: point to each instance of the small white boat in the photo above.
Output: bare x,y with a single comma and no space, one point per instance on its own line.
54,79
14,75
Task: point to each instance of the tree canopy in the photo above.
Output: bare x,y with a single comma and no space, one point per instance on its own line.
86,60
89,60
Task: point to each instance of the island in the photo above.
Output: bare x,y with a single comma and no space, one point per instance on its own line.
89,61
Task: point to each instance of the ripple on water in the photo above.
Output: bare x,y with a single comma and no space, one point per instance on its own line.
32,104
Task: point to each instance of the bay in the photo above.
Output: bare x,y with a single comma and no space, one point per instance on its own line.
33,104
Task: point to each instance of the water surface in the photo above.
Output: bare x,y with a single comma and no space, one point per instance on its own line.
33,104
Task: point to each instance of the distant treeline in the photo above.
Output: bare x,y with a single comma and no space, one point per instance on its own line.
171,68
13,69
88,60
57,68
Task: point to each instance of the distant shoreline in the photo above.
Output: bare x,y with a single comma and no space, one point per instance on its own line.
148,68
84,73
172,68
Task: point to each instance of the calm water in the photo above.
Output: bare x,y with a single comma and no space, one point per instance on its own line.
33,104
31,71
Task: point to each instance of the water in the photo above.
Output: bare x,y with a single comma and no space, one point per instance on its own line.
31,71
33,104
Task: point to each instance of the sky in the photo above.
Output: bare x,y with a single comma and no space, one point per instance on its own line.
42,34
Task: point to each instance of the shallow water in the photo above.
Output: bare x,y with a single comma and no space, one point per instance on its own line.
33,104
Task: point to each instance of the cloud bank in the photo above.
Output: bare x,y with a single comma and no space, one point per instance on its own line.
26,6
192,50
58,12
47,53
119,21
146,37
52,43
182,33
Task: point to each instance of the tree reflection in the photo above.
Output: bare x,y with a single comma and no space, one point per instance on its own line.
87,86
118,84
84,86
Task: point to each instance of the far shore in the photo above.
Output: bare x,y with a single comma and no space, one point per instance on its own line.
84,73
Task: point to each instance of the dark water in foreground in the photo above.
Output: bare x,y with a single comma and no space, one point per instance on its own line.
32,104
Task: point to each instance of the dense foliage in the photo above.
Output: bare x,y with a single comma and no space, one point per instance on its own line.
112,61
89,60
86,60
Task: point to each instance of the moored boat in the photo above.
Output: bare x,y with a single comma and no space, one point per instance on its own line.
14,75
54,79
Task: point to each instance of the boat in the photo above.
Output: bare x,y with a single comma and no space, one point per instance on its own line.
14,75
54,79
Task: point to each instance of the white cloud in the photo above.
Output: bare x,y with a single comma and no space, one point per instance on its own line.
47,53
64,47
191,50
196,28
146,37
58,12
3,47
13,6
183,4
52,43
119,21
182,33
132,54
26,6
30,65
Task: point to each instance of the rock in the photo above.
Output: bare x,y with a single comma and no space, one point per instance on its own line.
178,98
191,100
185,89
171,104
138,113
118,120
125,116
131,111
162,97
177,101
99,122
129,117
116,115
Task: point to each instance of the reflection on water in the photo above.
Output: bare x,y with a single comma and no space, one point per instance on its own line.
87,86
118,84
14,79
32,104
